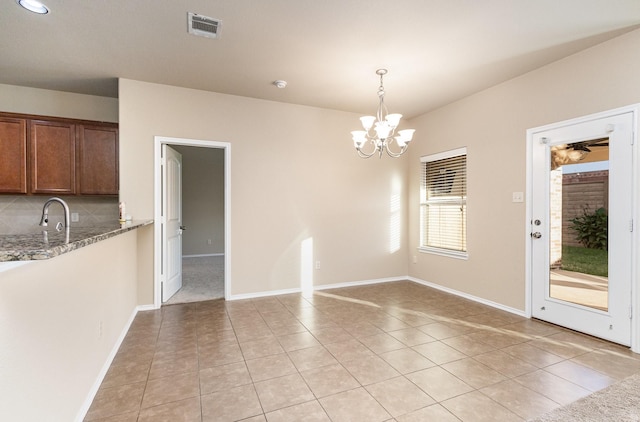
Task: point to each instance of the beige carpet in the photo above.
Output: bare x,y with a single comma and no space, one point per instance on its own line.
202,279
619,402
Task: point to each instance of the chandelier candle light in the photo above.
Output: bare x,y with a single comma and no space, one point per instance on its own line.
384,126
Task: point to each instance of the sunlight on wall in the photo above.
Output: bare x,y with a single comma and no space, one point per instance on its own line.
306,265
395,221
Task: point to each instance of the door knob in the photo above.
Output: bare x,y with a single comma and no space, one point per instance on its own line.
536,235
183,227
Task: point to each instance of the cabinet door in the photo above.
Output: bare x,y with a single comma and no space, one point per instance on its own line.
52,157
13,155
98,160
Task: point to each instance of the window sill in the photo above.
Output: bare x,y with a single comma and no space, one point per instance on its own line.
444,252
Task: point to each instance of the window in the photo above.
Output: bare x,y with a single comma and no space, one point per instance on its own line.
443,203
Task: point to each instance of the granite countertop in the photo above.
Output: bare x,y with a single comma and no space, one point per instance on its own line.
37,246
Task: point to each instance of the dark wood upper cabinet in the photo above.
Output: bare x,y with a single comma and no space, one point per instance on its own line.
52,157
13,155
57,156
97,160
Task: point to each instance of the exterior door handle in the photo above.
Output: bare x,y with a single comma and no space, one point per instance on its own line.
536,235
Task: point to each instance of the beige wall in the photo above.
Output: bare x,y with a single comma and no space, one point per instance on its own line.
202,200
294,176
51,347
492,125
44,102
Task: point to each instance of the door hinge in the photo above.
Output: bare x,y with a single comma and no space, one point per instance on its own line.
630,311
631,225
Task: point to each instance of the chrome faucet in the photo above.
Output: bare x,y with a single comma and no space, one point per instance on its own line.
45,213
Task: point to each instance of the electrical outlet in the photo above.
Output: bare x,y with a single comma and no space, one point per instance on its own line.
75,217
317,265
208,241
517,197
415,259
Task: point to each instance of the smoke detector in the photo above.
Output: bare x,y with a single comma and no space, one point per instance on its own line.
203,26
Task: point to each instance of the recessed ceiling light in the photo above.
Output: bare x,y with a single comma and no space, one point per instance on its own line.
34,6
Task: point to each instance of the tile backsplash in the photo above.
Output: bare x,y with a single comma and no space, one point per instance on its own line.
21,213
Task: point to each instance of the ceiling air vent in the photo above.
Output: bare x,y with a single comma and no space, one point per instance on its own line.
204,26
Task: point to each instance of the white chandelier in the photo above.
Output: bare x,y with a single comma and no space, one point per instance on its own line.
384,130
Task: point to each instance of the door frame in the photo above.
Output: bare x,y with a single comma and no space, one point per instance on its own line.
157,242
635,254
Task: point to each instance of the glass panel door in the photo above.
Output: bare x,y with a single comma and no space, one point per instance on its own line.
578,223
581,209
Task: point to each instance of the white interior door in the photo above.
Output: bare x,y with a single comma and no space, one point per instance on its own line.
172,222
585,289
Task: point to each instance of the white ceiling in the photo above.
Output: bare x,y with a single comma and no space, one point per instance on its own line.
436,51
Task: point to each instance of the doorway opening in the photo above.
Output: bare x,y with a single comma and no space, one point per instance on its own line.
205,226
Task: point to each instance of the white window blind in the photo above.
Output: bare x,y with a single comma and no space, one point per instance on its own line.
443,203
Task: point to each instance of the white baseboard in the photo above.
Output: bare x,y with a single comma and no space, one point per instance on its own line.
201,255
82,413
151,307
359,283
319,287
468,296
263,294
384,280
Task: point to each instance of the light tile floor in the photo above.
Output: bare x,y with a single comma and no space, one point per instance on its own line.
387,352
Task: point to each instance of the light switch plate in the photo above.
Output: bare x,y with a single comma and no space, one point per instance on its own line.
518,197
